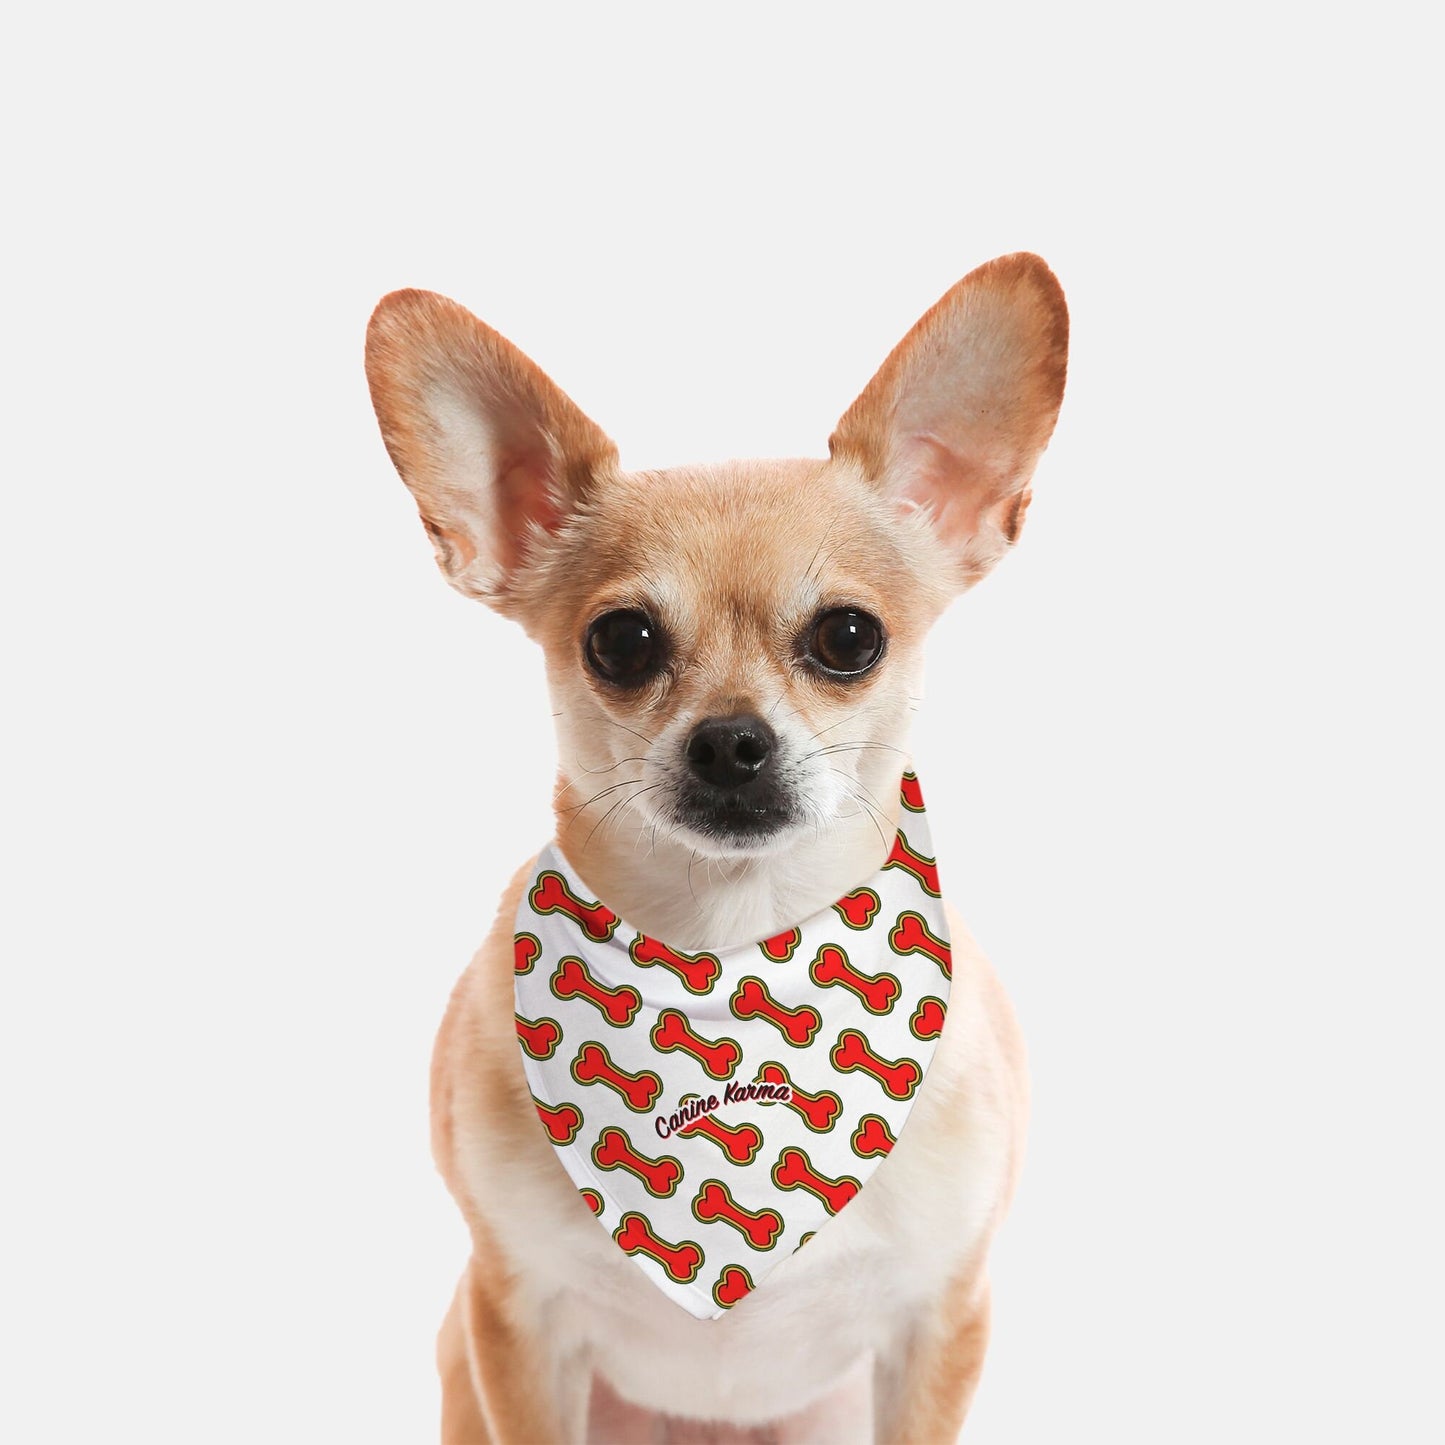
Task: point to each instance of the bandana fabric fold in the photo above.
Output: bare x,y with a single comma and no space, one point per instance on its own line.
716,1109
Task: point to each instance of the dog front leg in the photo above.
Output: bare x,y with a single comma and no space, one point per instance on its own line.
922,1396
501,1385
462,1422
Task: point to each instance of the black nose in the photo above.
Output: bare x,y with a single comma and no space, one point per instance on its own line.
730,751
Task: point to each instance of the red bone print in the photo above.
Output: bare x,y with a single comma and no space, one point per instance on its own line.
561,1122
539,1039
574,980
879,992
781,947
872,1137
680,1262
923,869
911,935
857,908
740,1142
820,1111
751,999
911,793
719,1059
526,950
732,1284
899,1080
592,1199
550,894
593,1065
761,1227
698,971
794,1170
927,1020
660,1177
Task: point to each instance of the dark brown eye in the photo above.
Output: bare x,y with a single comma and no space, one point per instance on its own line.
624,647
846,641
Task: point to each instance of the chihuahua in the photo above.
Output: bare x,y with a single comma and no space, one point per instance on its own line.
733,654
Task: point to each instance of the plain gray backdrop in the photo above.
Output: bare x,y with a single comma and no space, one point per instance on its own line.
266,775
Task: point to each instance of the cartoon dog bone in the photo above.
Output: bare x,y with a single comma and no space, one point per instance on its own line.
899,1080
613,1150
872,1137
820,1111
858,907
680,1262
540,1037
698,971
911,793
751,999
732,1284
794,1170
561,1122
925,870
572,980
911,935
781,947
879,993
672,1031
740,1142
552,895
927,1020
526,950
592,1066
715,1201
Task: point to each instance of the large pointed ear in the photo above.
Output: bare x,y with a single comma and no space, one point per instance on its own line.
956,418
495,455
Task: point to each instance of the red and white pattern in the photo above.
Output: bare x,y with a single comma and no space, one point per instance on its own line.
716,1109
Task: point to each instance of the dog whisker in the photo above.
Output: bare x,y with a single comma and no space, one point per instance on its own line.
834,748
823,541
690,888
651,742
572,783
597,772
619,804
602,793
857,782
848,718
871,808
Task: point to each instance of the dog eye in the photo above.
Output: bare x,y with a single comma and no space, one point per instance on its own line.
846,641
624,647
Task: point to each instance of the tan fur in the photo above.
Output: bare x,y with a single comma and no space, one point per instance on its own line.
925,489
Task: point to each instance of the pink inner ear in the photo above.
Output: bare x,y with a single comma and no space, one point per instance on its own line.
955,489
524,499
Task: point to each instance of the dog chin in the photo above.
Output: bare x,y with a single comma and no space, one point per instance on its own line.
722,832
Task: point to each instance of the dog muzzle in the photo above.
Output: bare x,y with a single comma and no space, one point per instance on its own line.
715,1110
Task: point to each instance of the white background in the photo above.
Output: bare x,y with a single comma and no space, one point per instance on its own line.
266,774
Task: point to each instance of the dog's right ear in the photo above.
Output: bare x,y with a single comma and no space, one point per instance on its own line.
496,456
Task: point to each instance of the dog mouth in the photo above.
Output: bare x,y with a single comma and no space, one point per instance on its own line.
742,819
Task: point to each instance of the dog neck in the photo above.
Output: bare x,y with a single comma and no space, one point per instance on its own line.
671,891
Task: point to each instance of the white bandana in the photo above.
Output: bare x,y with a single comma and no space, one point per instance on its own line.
716,1109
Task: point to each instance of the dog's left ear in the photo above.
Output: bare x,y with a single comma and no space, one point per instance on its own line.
956,418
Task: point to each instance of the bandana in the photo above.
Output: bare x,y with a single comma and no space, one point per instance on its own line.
715,1110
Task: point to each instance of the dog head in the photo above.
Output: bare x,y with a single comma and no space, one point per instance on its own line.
733,651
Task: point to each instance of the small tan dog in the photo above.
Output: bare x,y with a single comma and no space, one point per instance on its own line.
777,609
